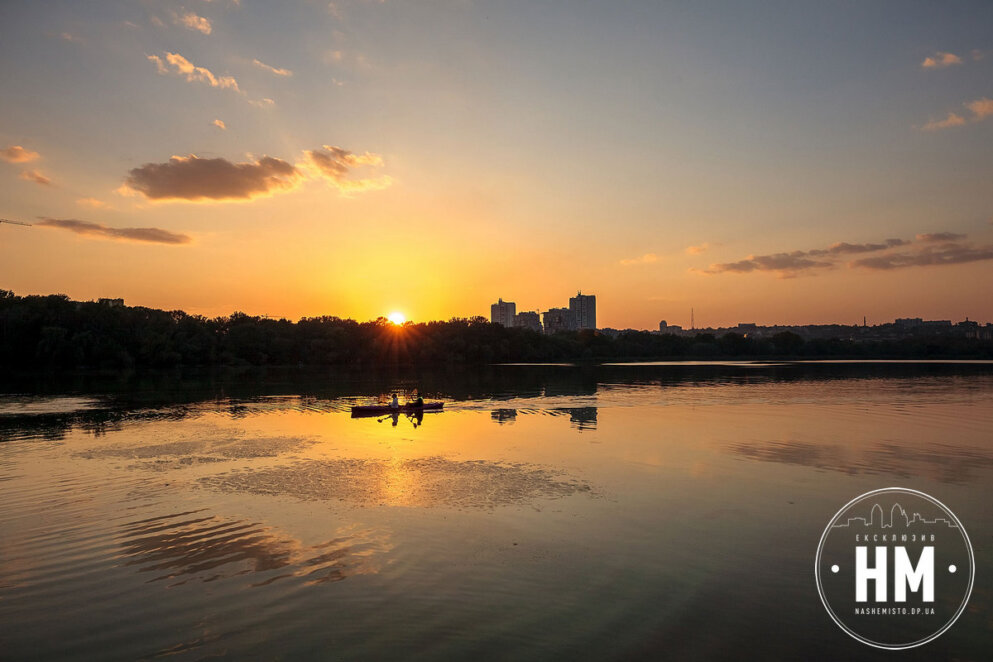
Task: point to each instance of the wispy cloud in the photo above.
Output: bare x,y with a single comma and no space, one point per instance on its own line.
931,248
939,236
91,202
784,264
696,250
927,256
647,258
194,179
950,121
191,21
940,60
843,247
17,154
271,69
980,109
220,125
335,164
265,102
36,177
100,231
176,64
65,36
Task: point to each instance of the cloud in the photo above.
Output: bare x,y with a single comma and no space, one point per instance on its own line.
792,263
951,120
334,164
941,60
696,250
981,108
17,154
193,178
174,63
220,125
786,264
939,236
91,202
843,247
271,69
191,21
36,177
920,252
265,102
65,36
647,258
928,256
98,230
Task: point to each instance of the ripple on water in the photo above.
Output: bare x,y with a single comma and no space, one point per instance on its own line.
419,482
198,546
197,451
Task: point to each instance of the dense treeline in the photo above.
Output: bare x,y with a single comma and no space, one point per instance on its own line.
55,332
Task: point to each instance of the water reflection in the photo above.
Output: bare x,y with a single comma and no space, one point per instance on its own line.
945,463
504,416
419,482
581,418
175,396
194,545
208,446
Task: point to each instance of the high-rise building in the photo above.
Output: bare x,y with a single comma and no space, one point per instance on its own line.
502,312
528,320
583,307
559,319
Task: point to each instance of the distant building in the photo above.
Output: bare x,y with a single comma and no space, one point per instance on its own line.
502,312
909,322
558,319
583,307
528,320
111,303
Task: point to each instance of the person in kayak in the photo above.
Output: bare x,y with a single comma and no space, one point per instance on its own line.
395,402
418,403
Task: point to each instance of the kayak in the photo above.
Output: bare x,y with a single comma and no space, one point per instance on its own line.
380,410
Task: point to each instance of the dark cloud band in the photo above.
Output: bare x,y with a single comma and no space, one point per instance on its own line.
98,230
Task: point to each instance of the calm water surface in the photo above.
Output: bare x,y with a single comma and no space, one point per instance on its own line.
550,512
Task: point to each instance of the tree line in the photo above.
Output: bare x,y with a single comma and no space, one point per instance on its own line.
54,332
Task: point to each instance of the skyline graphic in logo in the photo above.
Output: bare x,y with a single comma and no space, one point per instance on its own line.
894,568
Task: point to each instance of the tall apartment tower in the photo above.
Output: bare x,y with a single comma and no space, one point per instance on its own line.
502,312
583,307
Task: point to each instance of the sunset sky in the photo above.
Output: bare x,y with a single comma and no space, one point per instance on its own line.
778,162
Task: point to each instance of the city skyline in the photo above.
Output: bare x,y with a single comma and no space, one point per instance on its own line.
808,166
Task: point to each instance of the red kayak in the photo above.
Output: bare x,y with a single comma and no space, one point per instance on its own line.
382,410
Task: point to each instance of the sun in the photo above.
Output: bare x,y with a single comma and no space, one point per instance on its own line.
397,318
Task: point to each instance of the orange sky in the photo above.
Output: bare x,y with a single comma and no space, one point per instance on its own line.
300,161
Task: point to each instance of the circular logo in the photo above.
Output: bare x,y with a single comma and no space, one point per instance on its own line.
894,568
